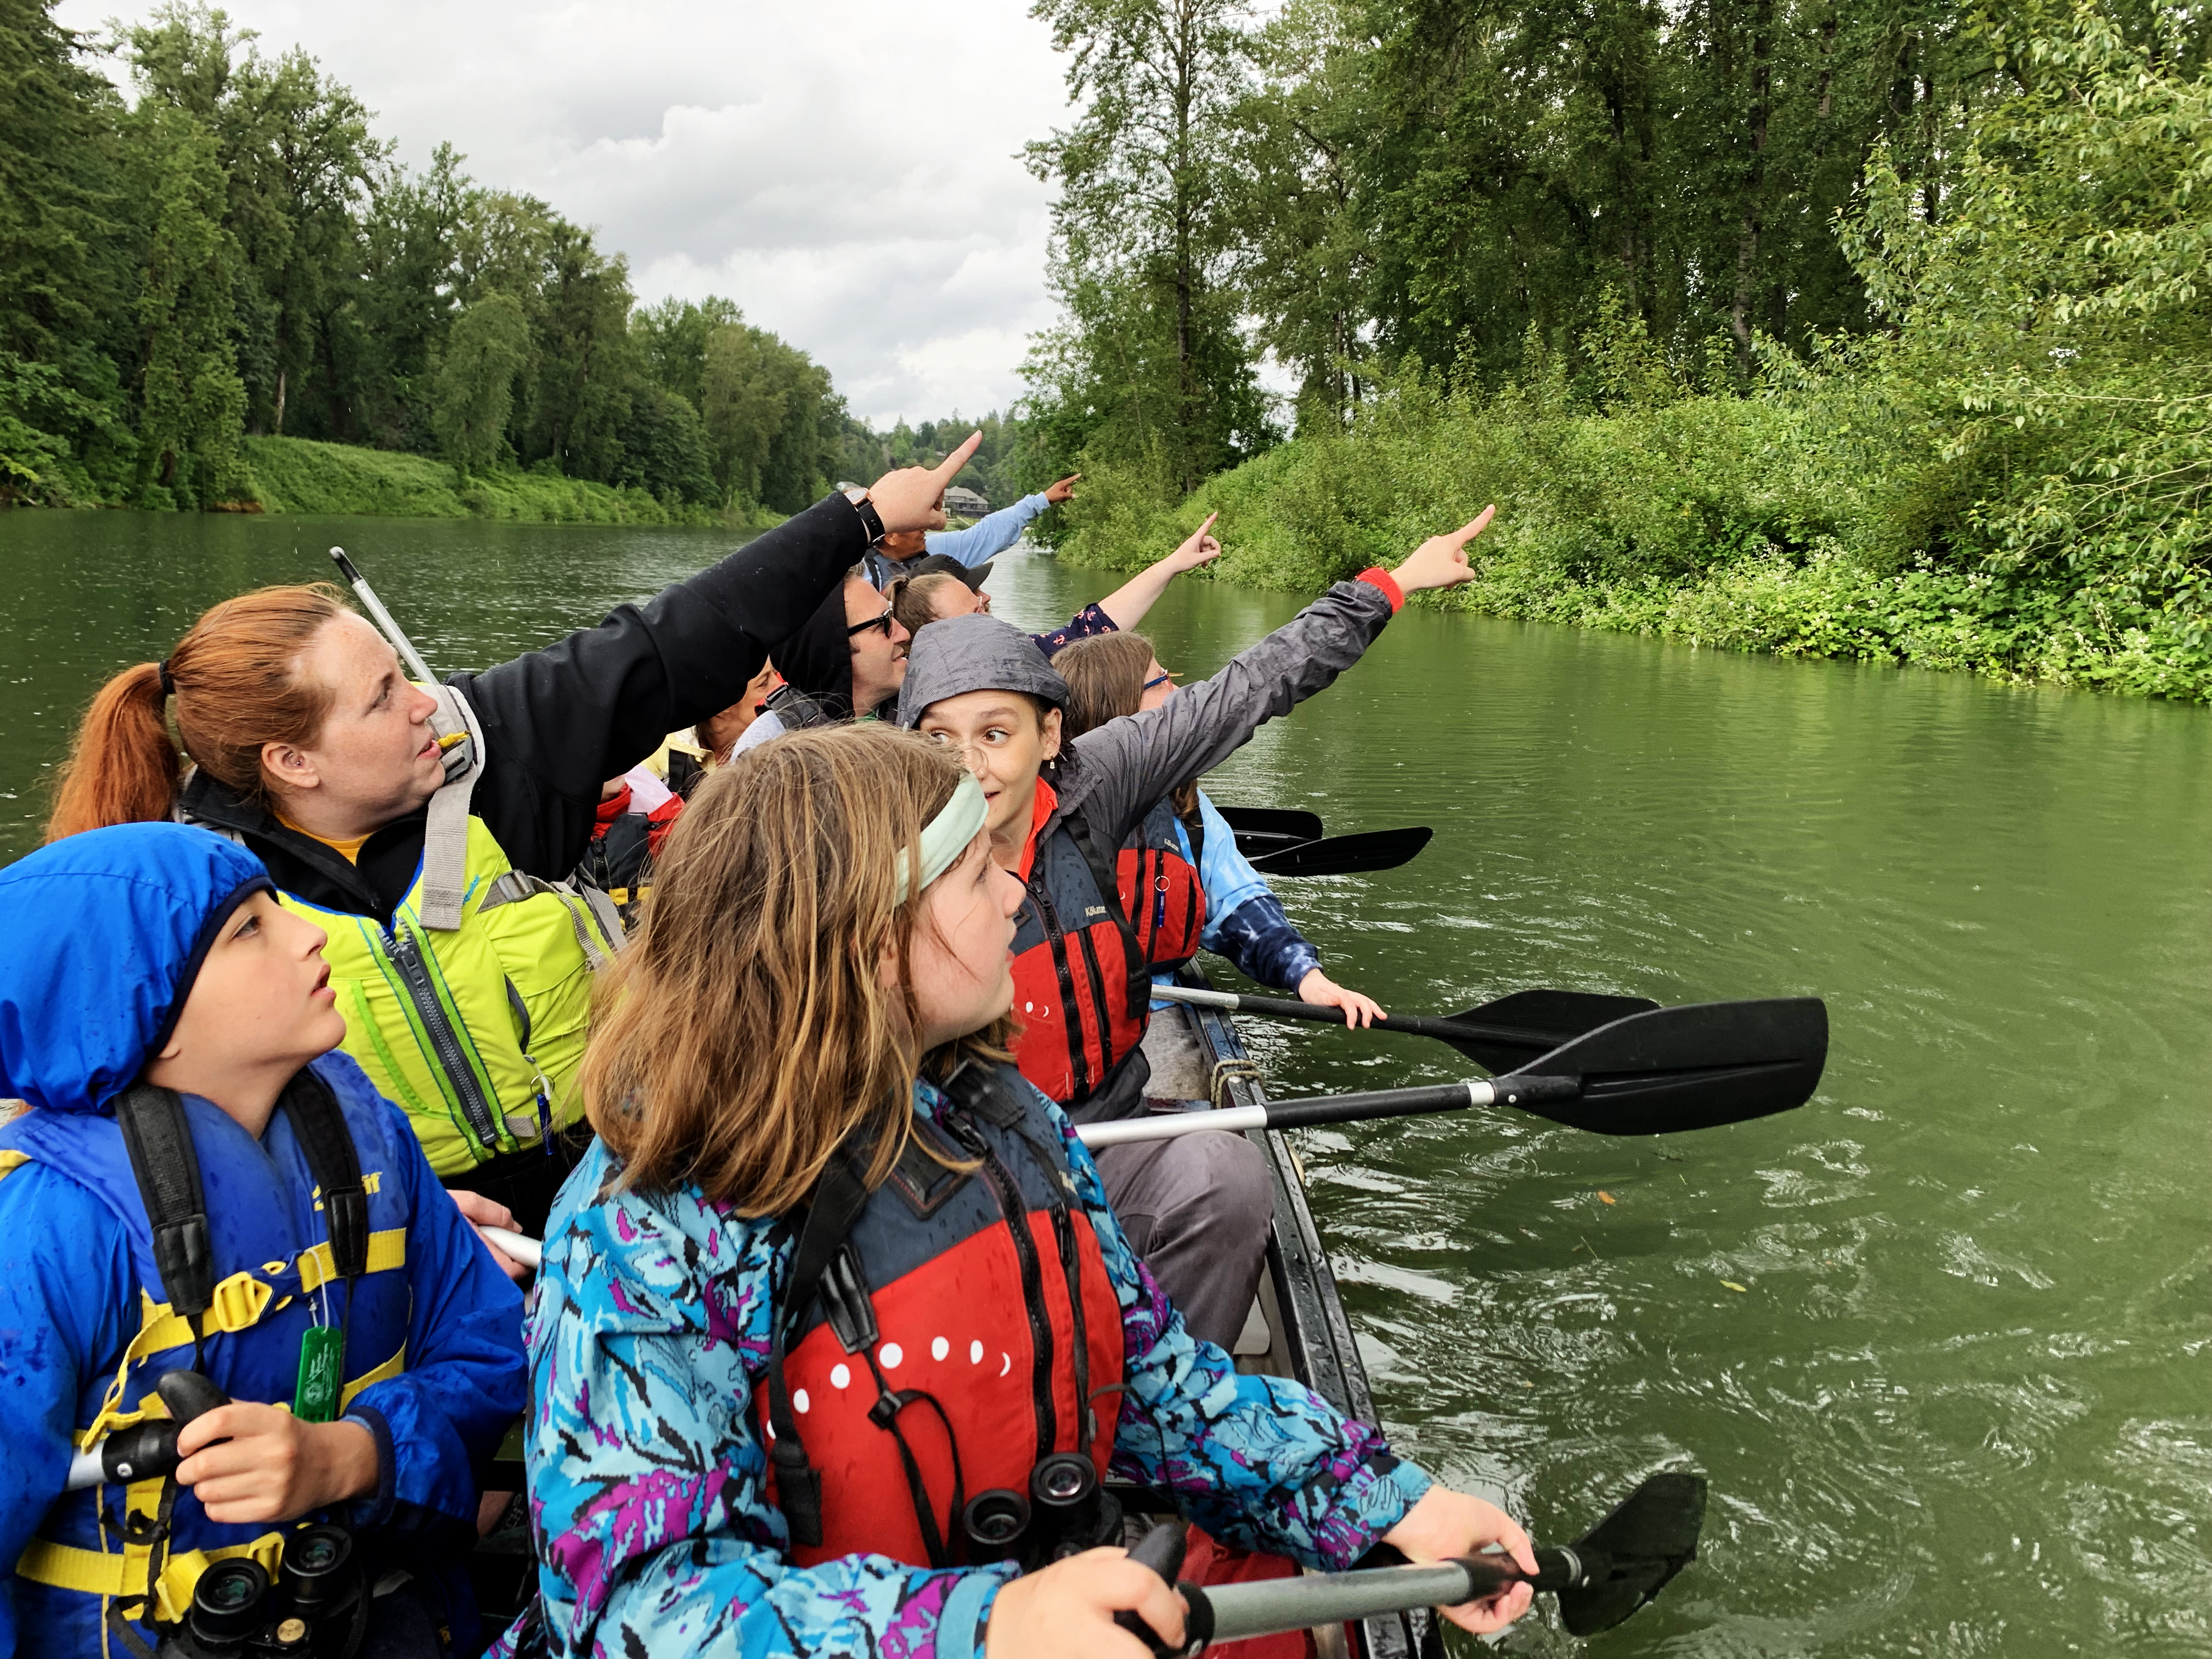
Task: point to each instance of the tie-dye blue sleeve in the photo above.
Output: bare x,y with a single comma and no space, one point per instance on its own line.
1260,1462
648,1484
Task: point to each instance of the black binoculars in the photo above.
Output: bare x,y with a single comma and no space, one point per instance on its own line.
306,1614
1064,1512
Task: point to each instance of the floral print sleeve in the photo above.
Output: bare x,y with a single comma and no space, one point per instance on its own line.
1260,1462
647,1485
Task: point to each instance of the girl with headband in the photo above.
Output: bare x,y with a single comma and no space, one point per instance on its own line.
835,1284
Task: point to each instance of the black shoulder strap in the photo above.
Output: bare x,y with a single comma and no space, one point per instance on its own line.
829,1220
1106,874
1193,825
327,1142
795,709
159,1140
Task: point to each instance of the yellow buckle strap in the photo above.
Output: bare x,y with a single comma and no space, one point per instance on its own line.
387,1250
64,1566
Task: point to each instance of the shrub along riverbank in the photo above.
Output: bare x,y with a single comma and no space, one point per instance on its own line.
2013,476
297,475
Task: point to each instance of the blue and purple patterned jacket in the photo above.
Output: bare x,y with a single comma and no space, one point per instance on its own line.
648,1468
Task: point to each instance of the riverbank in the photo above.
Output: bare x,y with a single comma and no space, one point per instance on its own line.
1764,523
296,474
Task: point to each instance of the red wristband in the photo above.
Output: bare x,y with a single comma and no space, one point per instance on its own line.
1376,576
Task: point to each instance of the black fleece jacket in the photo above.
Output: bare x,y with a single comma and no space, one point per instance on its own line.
559,722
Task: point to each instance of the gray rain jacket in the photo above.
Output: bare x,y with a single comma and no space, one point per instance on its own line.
1114,774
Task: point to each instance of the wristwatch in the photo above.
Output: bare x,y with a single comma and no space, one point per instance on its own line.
870,521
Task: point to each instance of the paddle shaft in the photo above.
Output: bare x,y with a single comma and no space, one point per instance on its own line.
1231,1613
375,608
528,1251
1427,1026
1331,1109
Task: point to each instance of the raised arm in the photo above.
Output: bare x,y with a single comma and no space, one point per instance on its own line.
991,535
1127,605
560,721
1128,763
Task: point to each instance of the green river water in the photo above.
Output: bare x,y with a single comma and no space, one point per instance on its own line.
1960,1406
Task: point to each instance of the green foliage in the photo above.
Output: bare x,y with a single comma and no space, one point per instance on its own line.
299,475
239,254
485,349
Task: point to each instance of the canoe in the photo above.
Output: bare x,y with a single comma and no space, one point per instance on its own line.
1297,1328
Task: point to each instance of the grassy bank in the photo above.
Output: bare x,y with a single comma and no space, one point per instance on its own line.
1763,523
293,475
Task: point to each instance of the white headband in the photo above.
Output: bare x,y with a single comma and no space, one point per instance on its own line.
946,836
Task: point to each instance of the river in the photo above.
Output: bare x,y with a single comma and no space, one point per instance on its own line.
1959,1405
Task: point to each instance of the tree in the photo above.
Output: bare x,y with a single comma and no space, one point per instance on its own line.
486,348
193,403
1142,231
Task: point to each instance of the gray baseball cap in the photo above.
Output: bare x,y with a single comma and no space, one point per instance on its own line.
974,654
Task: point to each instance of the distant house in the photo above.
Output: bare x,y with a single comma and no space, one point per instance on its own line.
965,503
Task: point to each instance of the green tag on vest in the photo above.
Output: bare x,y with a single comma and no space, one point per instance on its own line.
322,1356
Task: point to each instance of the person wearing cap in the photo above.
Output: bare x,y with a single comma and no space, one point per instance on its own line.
937,590
896,554
1196,1206
175,1033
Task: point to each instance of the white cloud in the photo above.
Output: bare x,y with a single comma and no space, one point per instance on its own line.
845,171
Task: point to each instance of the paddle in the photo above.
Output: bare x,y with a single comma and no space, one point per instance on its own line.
1657,1072
1265,829
1499,1035
1345,855
1600,1579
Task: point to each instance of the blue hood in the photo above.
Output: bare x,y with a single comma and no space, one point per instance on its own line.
105,932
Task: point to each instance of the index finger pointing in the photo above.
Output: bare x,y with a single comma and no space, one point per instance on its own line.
960,457
1208,525
1479,523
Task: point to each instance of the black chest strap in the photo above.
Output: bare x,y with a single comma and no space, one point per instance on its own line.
1105,871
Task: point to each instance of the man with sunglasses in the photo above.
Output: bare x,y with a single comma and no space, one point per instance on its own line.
846,662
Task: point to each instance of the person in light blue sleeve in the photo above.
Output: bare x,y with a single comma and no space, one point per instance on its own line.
982,541
1116,674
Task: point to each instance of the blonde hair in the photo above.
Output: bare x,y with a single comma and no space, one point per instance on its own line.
743,1036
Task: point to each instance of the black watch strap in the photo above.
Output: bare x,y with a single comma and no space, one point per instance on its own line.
870,521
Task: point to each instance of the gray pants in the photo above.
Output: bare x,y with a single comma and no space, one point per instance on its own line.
1197,1209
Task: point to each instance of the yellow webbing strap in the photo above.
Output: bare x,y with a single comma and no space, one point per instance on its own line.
391,1367
11,1161
387,1250
123,1575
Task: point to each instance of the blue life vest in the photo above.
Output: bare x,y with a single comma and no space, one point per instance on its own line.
274,1280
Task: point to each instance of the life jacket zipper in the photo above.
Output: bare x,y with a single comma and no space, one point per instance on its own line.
1008,1193
1078,1081
406,956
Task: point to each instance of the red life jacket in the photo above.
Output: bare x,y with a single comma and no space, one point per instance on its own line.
1160,890
1082,978
939,1336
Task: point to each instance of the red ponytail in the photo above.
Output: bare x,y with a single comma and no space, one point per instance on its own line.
238,687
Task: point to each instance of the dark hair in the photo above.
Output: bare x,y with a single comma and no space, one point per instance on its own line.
237,686
1105,676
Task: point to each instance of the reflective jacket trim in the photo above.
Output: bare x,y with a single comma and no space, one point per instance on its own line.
428,1015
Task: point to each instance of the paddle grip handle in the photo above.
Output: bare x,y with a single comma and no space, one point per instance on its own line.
1383,1102
1161,1549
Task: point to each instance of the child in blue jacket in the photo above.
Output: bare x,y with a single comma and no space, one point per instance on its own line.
368,1384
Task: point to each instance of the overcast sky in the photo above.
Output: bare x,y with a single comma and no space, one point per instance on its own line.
843,169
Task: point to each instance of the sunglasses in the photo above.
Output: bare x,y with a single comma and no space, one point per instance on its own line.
883,621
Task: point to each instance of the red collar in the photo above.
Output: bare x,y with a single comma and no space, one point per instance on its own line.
1047,799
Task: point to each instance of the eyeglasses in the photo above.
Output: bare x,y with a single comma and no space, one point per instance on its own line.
1167,677
883,621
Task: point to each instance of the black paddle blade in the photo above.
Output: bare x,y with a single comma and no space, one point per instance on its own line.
1549,1018
1652,1536
1267,829
1346,856
1689,1067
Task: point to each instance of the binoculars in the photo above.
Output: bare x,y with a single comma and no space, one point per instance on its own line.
1064,1512
237,1612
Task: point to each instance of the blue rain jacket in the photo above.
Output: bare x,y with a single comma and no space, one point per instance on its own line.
106,931
1245,919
